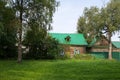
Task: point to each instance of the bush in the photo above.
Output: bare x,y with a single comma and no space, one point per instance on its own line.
83,56
41,46
8,52
64,56
67,55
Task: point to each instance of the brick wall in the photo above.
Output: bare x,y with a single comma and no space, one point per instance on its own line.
73,49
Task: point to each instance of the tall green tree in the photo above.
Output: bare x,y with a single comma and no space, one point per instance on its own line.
39,23
88,24
7,31
102,21
32,12
111,21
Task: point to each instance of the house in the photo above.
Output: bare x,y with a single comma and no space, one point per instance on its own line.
74,43
99,48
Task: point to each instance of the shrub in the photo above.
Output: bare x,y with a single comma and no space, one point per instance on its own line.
83,56
41,46
65,56
8,52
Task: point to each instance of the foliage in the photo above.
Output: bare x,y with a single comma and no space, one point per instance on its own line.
96,22
84,57
32,13
53,48
7,32
41,13
64,56
88,24
40,45
60,70
67,55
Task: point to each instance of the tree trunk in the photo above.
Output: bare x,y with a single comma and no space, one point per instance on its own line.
20,4
19,50
110,47
20,42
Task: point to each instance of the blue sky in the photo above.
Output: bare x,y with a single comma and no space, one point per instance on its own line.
67,14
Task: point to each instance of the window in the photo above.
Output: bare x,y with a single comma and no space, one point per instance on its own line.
62,53
68,38
76,51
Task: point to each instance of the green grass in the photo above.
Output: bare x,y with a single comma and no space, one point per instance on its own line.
60,70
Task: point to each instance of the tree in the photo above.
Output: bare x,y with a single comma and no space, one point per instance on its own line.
106,20
38,24
35,44
88,23
40,45
111,21
7,31
29,12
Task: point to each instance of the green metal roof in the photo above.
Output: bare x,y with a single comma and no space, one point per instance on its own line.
116,44
75,39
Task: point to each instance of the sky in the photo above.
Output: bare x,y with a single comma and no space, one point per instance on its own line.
67,14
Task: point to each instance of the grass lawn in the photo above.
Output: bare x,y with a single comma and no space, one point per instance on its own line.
60,70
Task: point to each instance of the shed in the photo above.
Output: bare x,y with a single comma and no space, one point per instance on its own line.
99,48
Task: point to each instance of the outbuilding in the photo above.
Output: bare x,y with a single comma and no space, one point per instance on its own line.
99,48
